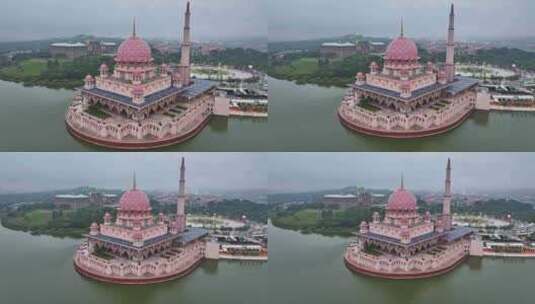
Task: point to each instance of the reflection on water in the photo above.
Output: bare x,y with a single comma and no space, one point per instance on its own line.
481,118
310,269
475,263
32,119
35,269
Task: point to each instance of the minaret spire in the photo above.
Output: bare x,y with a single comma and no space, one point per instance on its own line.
450,52
402,185
134,186
134,28
185,51
181,201
446,205
402,30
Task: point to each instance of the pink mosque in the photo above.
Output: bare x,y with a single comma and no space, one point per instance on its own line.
142,106
137,248
408,245
405,99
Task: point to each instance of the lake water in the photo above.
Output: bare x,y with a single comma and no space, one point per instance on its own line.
310,269
32,119
302,118
38,269
302,269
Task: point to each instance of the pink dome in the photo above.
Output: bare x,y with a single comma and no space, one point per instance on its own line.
401,199
134,200
134,50
403,49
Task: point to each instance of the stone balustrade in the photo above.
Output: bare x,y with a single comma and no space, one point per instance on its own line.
152,267
420,263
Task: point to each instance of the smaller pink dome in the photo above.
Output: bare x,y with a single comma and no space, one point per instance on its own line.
103,66
134,50
402,49
402,200
88,78
134,200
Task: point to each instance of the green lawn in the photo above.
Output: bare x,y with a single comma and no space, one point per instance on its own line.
301,66
38,217
26,68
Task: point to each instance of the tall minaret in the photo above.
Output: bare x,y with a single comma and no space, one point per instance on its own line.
185,57
181,202
446,205
450,52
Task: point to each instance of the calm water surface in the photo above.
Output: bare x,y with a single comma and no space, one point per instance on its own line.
302,118
32,119
309,269
38,269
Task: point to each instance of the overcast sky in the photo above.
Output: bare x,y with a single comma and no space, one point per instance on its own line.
304,19
278,172
291,172
211,19
30,172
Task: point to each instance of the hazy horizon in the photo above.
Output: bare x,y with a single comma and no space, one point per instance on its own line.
475,19
164,19
301,172
221,172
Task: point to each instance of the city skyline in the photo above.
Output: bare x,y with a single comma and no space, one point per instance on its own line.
34,20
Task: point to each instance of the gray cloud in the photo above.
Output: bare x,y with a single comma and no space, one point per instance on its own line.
212,19
304,19
29,172
290,172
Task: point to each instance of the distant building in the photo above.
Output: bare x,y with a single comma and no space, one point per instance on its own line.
101,47
334,50
77,201
361,199
68,50
79,49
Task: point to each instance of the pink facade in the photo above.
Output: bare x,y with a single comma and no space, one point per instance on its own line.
405,244
138,248
141,105
405,99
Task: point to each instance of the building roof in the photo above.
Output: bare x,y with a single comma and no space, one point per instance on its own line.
134,50
402,49
68,45
460,84
73,196
414,241
457,233
457,86
339,196
186,237
134,200
198,87
336,44
401,199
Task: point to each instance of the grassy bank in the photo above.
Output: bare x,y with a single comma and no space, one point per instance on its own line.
308,69
52,73
58,223
331,222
